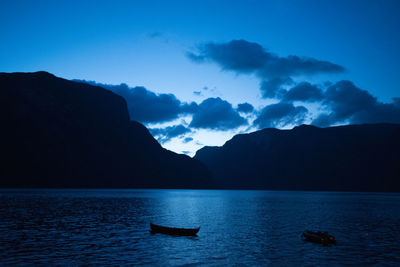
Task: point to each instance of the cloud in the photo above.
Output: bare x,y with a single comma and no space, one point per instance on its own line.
148,107
349,104
237,55
343,103
216,114
198,93
243,57
280,115
187,140
304,91
153,35
272,88
323,120
165,134
245,108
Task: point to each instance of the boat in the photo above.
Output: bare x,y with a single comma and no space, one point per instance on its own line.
323,238
173,231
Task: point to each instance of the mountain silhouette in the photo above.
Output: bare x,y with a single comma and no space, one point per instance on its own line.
345,158
59,133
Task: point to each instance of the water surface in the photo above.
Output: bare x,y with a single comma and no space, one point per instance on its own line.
97,227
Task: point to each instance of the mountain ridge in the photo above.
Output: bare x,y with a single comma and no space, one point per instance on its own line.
59,133
340,158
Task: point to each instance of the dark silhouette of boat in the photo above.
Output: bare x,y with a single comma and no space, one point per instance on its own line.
323,238
173,231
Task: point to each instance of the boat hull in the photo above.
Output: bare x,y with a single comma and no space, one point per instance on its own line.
173,231
318,237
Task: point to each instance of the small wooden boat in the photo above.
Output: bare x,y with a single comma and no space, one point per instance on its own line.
173,231
323,238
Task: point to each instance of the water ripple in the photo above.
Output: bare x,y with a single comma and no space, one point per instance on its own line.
111,227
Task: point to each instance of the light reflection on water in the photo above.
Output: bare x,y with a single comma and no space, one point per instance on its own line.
79,227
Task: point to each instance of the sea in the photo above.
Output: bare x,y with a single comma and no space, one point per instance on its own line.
75,227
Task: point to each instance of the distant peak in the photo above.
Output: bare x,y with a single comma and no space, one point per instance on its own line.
37,73
42,73
305,126
29,74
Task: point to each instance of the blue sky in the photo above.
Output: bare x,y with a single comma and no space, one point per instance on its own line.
147,43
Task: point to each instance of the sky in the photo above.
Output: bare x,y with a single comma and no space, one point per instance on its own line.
198,72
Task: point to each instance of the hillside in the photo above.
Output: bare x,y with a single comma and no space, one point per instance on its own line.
345,158
59,133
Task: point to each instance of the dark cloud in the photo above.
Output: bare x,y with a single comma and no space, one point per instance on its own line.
343,101
280,115
237,55
246,57
198,93
245,108
272,88
187,140
147,107
216,114
323,120
165,134
349,104
304,92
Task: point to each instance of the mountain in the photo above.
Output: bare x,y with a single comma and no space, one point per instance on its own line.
59,133
344,158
